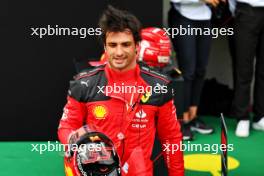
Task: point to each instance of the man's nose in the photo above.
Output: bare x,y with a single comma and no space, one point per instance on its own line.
119,51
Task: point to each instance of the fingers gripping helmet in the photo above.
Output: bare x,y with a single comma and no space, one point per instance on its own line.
155,47
93,154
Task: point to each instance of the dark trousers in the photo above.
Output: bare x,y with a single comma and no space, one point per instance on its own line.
232,51
192,52
249,42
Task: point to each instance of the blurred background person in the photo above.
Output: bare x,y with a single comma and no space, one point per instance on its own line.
192,54
249,44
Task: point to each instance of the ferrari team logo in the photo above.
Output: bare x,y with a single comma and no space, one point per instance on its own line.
100,112
145,97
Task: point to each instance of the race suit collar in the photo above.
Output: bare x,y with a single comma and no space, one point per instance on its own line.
116,75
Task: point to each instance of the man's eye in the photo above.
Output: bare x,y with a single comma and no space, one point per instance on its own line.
126,44
111,45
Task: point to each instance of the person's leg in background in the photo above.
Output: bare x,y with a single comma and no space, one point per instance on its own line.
245,41
258,108
232,51
203,45
185,48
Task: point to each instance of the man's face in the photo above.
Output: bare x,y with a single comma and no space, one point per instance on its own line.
121,49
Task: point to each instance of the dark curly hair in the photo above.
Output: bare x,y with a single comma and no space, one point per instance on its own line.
115,20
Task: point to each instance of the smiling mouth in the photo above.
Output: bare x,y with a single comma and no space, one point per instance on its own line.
119,60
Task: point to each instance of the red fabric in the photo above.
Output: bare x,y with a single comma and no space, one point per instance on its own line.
135,165
155,47
118,117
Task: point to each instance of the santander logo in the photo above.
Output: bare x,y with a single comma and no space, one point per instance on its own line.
141,114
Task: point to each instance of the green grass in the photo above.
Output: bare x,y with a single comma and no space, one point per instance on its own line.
248,151
18,159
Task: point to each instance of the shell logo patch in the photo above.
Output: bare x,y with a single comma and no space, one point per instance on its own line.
100,112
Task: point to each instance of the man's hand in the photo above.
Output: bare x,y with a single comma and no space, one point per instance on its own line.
75,135
214,3
73,138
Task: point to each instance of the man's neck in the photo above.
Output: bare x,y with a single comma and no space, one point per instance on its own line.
123,74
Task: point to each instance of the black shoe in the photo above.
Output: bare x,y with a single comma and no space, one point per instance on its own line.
187,135
200,127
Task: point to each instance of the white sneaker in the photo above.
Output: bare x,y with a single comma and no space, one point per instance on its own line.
242,129
259,125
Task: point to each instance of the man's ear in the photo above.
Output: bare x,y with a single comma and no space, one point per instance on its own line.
137,48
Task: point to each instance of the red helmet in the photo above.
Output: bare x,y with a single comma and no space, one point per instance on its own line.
155,47
91,152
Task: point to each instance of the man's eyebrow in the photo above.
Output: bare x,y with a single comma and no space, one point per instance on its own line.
125,42
111,43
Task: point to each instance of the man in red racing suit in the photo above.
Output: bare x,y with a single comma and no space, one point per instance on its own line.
127,102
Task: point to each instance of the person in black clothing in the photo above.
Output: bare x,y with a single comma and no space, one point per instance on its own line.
249,43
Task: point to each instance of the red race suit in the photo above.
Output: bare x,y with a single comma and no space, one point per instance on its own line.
130,118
